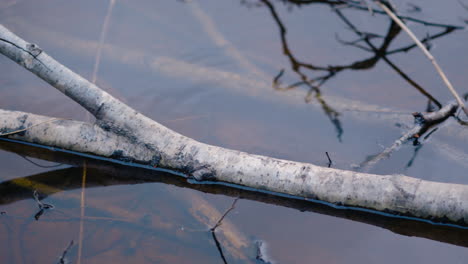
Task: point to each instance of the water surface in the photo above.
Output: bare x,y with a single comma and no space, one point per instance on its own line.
205,69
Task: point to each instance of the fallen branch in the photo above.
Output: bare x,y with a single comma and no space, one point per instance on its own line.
122,133
60,183
24,129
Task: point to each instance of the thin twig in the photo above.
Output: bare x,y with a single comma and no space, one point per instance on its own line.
39,165
233,205
329,160
412,19
381,52
213,229
426,52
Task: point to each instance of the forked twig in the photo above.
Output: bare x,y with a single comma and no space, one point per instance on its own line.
424,121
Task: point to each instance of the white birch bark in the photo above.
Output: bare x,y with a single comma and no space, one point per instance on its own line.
145,141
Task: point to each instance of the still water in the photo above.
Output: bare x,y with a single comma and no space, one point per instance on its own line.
205,69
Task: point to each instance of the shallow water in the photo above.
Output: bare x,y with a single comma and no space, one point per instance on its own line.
205,69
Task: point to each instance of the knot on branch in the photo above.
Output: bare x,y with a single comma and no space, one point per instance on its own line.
33,49
427,120
203,173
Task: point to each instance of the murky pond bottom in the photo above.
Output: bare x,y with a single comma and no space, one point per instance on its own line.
206,69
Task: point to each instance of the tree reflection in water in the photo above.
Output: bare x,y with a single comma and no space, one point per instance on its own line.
313,76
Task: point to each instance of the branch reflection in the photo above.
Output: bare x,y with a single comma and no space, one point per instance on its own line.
108,174
365,42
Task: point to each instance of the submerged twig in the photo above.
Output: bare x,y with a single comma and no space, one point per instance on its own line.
42,206
233,205
423,122
62,259
39,165
261,255
400,23
213,229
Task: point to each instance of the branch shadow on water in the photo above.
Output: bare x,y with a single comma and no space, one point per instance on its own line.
111,174
307,72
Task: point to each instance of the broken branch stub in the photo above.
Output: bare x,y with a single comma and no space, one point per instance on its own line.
160,146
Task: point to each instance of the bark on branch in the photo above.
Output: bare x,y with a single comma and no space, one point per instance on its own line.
122,133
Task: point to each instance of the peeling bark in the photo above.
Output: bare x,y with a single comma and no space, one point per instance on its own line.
146,141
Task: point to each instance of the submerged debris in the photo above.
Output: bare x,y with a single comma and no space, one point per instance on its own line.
63,259
42,206
213,229
423,122
262,254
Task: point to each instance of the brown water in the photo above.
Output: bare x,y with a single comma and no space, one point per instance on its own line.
204,69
